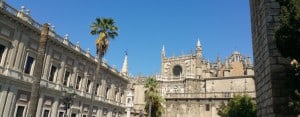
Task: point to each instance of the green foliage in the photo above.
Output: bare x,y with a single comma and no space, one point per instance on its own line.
293,86
288,34
288,42
106,29
153,99
239,106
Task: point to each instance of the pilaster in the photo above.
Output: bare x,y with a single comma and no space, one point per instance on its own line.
3,98
9,104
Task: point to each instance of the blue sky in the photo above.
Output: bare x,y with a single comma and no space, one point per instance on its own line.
222,26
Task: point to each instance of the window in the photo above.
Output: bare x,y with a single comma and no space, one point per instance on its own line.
52,73
46,113
2,49
28,64
177,70
73,115
66,78
207,107
88,85
116,96
61,114
20,111
78,82
97,89
106,93
84,116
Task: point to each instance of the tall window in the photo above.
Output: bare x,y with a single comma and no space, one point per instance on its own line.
207,107
2,49
61,114
97,89
46,113
116,96
78,82
66,78
52,73
88,85
28,64
106,93
20,111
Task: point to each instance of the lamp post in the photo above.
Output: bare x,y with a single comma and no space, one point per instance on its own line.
67,101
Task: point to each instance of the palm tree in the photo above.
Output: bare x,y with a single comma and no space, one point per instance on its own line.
106,29
37,74
153,99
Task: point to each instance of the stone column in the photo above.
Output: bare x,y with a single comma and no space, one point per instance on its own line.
55,107
11,98
3,97
40,106
47,63
269,66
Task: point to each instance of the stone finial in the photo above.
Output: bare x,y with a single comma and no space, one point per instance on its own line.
77,47
22,8
66,37
88,50
52,27
77,44
65,41
125,65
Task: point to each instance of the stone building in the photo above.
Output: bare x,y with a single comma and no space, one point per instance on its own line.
67,70
195,87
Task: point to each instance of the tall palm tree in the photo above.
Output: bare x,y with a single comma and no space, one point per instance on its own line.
106,29
153,99
37,74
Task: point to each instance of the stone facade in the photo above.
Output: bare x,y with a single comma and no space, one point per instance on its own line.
269,65
67,68
195,87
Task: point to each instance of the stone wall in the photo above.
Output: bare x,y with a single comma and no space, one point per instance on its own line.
269,66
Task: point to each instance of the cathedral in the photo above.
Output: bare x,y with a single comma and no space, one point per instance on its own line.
192,86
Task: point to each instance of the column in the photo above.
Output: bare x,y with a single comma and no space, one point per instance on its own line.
47,63
14,49
40,106
99,112
3,97
21,52
10,102
55,107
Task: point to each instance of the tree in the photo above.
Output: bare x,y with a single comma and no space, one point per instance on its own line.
239,106
37,74
105,29
287,37
154,101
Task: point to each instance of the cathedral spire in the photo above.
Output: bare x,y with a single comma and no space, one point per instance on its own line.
198,44
163,53
125,65
199,49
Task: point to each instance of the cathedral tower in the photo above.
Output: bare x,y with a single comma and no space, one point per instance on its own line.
198,59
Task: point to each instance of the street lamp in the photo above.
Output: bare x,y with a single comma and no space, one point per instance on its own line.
67,101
